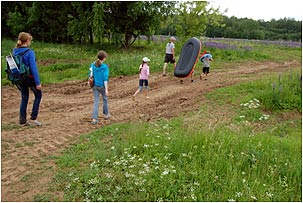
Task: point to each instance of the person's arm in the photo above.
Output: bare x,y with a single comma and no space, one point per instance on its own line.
173,52
106,87
34,69
147,71
106,75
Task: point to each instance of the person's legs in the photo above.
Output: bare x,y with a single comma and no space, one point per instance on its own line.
206,72
105,101
146,88
140,88
164,69
193,76
36,104
23,105
96,104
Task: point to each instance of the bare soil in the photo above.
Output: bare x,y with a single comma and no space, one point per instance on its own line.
26,166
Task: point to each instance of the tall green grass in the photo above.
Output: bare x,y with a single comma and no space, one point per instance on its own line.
186,159
64,62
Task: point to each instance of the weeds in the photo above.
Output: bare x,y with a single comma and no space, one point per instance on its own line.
286,93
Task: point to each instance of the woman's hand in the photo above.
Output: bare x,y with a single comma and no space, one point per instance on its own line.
38,87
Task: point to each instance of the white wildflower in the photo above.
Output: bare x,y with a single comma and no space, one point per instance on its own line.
165,172
238,194
193,197
93,181
108,175
254,198
142,190
269,194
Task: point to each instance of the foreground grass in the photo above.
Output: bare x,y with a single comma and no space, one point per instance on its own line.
220,153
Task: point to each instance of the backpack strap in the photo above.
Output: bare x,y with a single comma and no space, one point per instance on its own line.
23,53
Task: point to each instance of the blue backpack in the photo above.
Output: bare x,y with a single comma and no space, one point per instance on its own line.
16,71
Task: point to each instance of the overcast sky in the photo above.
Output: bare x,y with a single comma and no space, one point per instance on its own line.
261,9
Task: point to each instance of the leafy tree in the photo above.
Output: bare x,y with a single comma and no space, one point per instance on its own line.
14,17
126,20
80,21
98,20
194,17
47,21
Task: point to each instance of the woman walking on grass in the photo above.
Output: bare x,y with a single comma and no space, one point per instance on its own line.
143,77
99,72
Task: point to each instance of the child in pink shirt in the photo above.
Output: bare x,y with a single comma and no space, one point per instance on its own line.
143,77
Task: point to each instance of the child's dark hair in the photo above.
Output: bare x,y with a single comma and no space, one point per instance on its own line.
142,65
101,55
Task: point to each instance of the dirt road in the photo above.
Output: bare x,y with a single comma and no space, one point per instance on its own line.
65,114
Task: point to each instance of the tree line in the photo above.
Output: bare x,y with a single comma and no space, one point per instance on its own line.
121,22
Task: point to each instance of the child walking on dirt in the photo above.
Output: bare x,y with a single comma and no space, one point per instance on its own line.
206,59
99,72
143,77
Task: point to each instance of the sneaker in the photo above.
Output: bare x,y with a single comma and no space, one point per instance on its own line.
164,74
94,122
24,124
134,98
106,116
181,81
193,81
35,123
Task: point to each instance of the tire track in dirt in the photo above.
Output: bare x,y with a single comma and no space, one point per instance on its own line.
66,109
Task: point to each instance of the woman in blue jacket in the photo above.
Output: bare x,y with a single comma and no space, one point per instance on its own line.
33,81
99,72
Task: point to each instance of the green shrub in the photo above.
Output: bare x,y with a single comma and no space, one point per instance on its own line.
284,93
